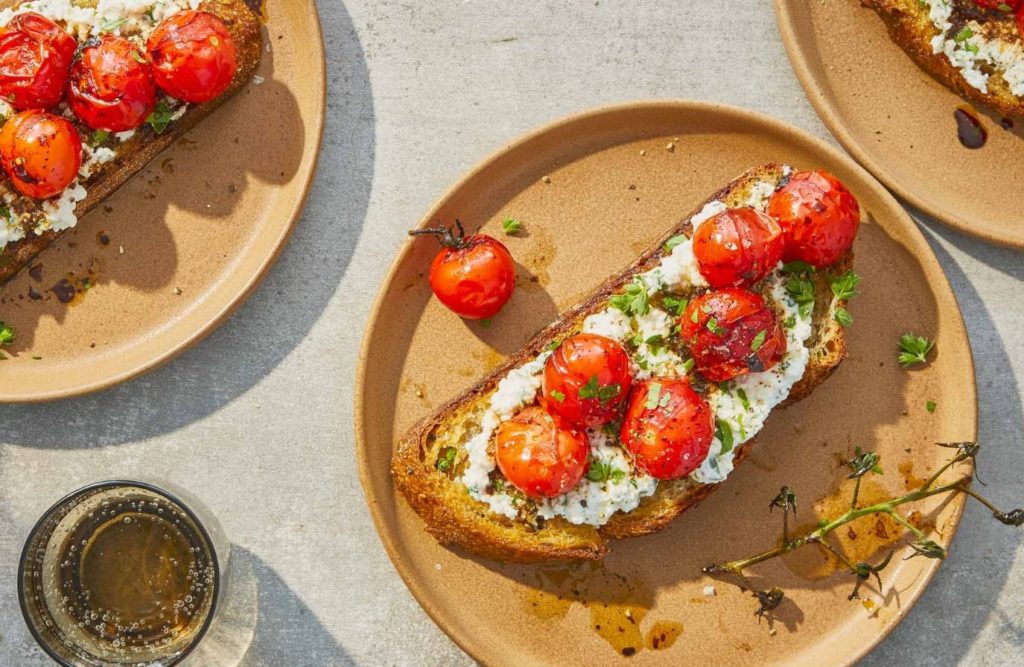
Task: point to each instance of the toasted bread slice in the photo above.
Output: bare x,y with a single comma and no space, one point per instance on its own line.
454,517
242,18
911,26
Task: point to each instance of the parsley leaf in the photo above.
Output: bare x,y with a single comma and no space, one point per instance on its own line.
914,349
724,434
446,460
930,406
743,398
589,390
511,226
797,267
602,471
557,395
160,118
801,290
6,334
964,34
845,286
608,392
674,241
634,299
602,393
712,326
843,316
758,341
99,136
674,305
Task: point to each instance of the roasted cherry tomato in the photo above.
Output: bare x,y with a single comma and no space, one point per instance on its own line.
999,4
668,427
732,332
818,215
586,380
35,56
472,275
1020,19
737,247
540,454
40,152
193,56
111,85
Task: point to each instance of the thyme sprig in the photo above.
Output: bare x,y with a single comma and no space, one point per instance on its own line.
860,465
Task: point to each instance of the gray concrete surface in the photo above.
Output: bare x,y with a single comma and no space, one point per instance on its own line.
257,419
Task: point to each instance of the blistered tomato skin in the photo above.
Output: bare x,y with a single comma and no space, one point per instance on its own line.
732,332
586,380
737,247
41,153
193,56
35,56
540,454
111,85
474,277
668,428
818,215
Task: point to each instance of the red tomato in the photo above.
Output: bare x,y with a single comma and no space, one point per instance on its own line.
541,455
996,4
41,153
111,85
668,427
35,56
586,380
193,56
737,247
732,332
473,276
1020,20
819,217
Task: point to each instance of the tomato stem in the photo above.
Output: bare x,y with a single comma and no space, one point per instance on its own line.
446,236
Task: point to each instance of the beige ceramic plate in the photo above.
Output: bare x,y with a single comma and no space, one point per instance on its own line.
187,239
898,122
615,187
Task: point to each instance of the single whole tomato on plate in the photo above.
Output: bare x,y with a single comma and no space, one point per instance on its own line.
473,276
193,56
586,380
41,153
668,427
737,247
732,332
540,454
818,215
35,57
111,85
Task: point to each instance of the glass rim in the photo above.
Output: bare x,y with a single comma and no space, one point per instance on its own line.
117,483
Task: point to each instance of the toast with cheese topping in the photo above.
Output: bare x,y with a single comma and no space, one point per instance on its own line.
28,226
976,51
434,462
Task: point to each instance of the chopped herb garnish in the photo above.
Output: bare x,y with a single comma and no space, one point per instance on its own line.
724,434
557,395
789,322
589,390
112,25
511,226
138,57
593,390
914,349
674,241
695,316
758,341
655,343
634,299
653,395
712,326
160,118
6,334
743,398
964,34
844,317
486,323
930,406
553,345
446,459
687,366
99,136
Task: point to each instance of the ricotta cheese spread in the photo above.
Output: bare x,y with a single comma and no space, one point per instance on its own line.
133,19
972,49
740,407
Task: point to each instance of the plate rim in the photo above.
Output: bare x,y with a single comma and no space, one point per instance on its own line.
469,644
829,116
218,318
